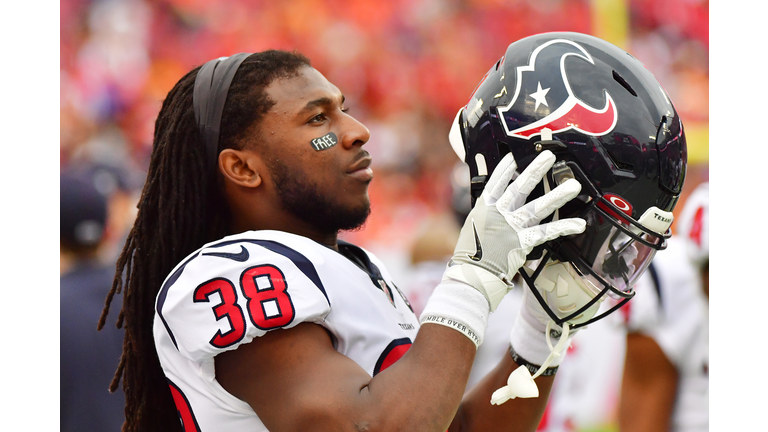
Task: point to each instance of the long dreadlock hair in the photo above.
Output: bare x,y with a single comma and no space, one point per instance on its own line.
181,208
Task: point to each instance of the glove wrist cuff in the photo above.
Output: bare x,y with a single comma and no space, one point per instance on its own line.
493,287
460,307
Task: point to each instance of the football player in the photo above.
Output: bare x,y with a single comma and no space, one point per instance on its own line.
665,384
244,311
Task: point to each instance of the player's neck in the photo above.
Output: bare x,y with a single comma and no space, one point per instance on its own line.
330,240
290,225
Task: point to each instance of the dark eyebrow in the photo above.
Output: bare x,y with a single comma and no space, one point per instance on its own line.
320,102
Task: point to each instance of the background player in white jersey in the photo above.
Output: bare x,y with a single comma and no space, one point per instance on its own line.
665,385
264,321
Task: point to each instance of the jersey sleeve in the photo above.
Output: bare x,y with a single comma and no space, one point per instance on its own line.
644,312
229,293
668,307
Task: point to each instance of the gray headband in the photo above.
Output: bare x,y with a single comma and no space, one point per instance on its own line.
211,87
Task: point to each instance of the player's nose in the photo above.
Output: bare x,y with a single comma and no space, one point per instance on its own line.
354,133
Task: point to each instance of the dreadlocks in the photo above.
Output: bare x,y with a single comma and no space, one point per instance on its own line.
180,209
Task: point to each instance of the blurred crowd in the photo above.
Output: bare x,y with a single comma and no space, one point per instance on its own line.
405,67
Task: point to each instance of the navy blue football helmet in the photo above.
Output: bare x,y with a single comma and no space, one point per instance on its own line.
613,127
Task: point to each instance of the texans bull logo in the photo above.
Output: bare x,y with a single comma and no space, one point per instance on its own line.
549,100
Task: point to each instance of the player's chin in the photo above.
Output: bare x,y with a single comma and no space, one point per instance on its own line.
354,216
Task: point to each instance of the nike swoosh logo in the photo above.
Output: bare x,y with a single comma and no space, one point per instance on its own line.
241,256
479,253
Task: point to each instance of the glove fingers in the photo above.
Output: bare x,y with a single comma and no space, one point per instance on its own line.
534,172
543,206
539,234
556,198
518,191
500,178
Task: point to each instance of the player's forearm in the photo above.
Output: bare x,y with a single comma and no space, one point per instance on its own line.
643,413
646,406
423,390
516,415
648,387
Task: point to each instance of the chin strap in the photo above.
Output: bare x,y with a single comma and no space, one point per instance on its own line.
520,382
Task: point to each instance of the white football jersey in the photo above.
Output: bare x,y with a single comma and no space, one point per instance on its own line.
238,288
670,307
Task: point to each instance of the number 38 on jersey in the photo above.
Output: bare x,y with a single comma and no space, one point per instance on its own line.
268,303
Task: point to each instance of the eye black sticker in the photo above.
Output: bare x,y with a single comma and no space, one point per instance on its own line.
324,142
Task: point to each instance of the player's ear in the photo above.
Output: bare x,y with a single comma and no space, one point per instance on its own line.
241,167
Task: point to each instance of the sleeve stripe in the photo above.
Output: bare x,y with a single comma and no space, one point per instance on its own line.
164,292
656,283
392,353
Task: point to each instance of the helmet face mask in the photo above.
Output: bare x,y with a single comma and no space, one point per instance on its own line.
611,126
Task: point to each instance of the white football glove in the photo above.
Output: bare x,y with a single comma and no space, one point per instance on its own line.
501,230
